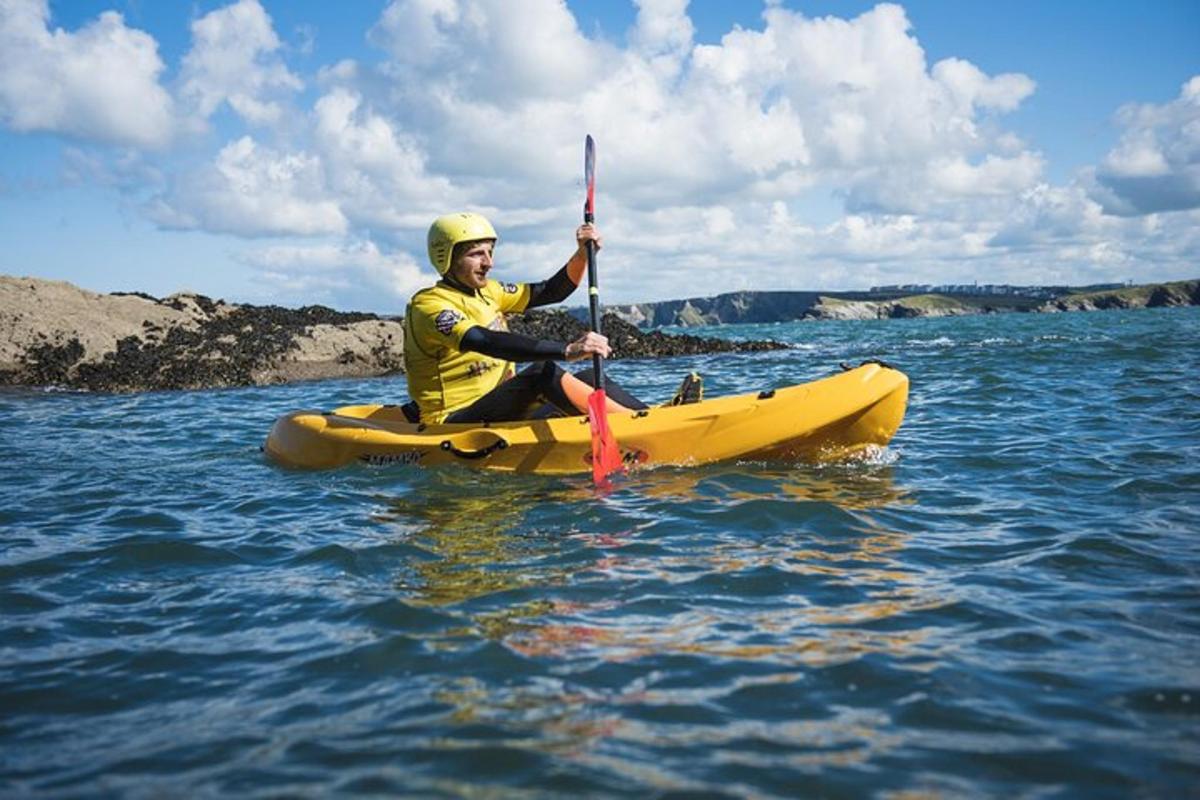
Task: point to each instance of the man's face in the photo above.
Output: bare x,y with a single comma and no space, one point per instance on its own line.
472,265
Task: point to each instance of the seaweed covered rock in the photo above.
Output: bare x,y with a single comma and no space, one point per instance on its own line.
627,340
56,334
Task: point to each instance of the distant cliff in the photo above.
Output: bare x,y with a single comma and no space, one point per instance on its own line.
922,305
723,308
780,306
1179,293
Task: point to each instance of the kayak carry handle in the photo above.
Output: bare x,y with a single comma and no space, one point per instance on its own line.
474,455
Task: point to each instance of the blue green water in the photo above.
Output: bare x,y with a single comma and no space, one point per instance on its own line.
1005,602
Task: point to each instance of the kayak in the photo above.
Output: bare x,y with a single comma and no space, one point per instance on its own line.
828,419
825,420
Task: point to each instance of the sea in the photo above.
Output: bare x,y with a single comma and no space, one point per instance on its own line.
1004,602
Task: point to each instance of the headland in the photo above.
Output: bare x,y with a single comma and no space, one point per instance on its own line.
55,334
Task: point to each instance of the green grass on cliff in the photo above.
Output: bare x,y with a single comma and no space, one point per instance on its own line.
1133,295
924,302
932,302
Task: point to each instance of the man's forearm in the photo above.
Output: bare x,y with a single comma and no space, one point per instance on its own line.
512,346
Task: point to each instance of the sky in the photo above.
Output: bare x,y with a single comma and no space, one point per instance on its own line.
296,152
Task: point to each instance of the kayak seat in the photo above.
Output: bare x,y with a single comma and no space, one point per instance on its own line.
691,390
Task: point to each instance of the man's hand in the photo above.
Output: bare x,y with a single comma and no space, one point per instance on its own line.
587,232
589,344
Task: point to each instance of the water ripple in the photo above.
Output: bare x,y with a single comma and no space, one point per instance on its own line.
1002,602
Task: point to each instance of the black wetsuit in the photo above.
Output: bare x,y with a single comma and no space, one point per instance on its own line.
535,391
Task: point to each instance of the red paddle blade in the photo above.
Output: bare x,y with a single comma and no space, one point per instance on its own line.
589,176
606,458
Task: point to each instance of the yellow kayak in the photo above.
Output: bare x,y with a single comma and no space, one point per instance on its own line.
827,419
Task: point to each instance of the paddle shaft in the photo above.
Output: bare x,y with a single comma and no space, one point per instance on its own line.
594,304
589,216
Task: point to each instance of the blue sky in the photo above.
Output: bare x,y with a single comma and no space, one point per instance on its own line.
295,152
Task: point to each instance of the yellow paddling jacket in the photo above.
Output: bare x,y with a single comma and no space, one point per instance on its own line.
442,378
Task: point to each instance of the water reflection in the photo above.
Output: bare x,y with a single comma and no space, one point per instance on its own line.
481,545
673,564
845,485
827,600
476,538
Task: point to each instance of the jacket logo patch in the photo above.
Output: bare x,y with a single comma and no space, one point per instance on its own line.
446,320
510,288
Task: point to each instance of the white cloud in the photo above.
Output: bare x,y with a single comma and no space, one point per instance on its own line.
971,88
360,172
940,185
1156,165
490,49
859,88
234,60
1046,214
797,153
99,83
995,175
353,274
704,149
766,111
376,171
252,190
663,33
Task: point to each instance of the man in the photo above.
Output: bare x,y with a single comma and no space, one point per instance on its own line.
459,353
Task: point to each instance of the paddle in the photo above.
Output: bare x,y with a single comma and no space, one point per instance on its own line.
606,458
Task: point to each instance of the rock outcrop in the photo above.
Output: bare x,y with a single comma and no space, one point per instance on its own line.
778,306
1178,293
926,305
730,308
627,341
56,334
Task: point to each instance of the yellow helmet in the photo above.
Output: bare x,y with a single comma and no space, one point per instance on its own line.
451,229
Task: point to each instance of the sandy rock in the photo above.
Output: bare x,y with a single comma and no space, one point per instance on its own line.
38,313
56,334
358,350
